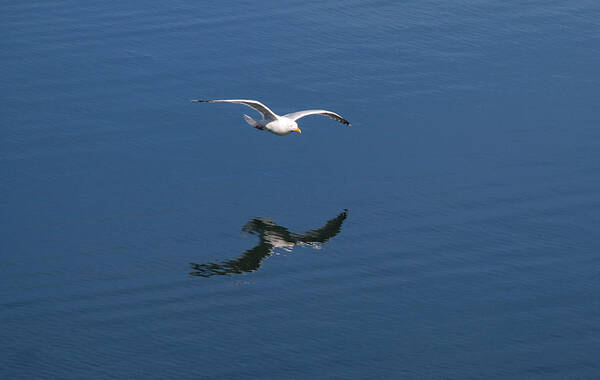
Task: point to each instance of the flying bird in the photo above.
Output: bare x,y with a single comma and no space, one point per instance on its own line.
279,125
271,236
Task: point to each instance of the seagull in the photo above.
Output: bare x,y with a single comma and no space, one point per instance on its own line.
271,236
279,125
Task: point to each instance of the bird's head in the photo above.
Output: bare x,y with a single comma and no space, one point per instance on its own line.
294,127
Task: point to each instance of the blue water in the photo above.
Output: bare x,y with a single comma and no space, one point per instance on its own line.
144,236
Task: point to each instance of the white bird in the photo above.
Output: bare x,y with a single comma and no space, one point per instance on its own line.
279,125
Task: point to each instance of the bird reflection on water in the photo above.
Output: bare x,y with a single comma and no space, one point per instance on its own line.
271,236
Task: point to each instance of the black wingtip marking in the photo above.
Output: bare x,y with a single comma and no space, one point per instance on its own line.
202,101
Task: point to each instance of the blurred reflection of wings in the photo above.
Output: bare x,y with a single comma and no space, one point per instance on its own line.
270,237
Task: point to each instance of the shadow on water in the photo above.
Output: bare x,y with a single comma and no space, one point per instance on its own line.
271,236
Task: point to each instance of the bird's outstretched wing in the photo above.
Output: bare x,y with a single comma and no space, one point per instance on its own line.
297,115
252,258
321,235
258,106
248,262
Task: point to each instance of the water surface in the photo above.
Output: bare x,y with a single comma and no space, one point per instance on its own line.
470,176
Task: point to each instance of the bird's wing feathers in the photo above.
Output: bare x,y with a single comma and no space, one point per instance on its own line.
258,106
297,115
329,230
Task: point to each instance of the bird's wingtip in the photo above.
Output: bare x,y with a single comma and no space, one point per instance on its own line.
198,101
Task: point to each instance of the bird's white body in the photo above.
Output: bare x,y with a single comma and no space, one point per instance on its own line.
279,125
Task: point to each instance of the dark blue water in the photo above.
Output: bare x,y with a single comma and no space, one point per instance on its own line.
144,236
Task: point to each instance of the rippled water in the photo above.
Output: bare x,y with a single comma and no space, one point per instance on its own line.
451,232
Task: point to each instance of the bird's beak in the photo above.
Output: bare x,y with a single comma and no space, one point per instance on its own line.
297,130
